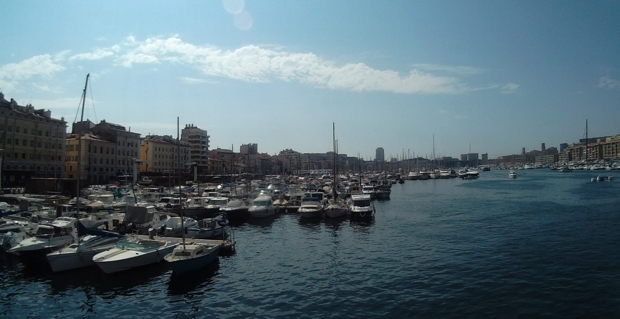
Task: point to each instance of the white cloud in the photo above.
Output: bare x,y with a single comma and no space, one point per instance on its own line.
609,83
194,80
509,88
95,55
12,74
459,70
255,64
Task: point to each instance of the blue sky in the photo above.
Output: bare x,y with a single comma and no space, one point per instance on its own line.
493,76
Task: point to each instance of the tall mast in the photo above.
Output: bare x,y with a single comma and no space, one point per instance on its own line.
586,141
179,175
79,159
335,170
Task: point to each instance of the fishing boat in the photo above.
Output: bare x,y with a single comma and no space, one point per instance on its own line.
189,257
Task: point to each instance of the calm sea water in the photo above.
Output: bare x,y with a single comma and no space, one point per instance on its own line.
545,244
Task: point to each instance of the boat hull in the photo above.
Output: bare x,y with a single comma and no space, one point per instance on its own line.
73,260
117,260
181,266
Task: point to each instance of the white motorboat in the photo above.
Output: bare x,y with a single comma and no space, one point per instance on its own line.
49,237
80,254
13,231
311,207
262,206
185,258
512,174
133,253
236,210
361,206
369,190
423,175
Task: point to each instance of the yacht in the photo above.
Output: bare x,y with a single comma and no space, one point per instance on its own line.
311,207
133,253
49,237
236,210
512,174
13,231
361,206
262,206
369,190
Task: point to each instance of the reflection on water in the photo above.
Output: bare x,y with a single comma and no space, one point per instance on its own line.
198,280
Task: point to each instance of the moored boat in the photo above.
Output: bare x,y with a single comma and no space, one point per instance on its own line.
132,253
190,257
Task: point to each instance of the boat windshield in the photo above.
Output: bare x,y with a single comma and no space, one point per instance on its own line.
44,230
361,203
218,202
261,203
137,246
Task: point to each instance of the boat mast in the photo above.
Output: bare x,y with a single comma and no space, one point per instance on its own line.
179,175
335,170
586,156
79,159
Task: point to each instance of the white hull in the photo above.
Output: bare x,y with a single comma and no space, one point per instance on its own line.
336,212
35,245
74,256
117,259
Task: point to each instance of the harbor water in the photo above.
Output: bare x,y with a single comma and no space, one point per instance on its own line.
545,244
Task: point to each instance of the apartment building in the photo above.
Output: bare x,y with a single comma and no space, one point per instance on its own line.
162,154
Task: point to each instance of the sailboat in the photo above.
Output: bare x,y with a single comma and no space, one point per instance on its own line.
80,253
188,257
336,206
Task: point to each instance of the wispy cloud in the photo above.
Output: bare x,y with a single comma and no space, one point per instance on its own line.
608,83
44,66
510,88
194,80
260,64
449,69
95,55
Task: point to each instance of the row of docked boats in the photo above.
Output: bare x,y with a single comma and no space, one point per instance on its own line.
66,245
465,173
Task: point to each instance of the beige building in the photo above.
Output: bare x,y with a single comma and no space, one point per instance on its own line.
109,152
33,143
160,154
199,142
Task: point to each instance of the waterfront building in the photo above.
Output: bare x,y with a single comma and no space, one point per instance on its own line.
380,154
33,143
108,151
160,154
199,146
248,149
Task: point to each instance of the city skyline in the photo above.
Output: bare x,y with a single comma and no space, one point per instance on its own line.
497,76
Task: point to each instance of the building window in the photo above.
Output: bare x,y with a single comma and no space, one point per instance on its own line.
40,132
25,130
24,155
47,133
32,143
25,142
39,144
17,129
16,142
9,128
